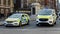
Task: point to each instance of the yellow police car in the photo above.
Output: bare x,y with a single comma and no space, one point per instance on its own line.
17,20
46,16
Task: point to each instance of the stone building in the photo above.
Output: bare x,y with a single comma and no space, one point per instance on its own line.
26,3
6,7
21,4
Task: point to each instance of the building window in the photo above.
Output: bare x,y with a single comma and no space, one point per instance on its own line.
25,4
9,2
2,11
5,2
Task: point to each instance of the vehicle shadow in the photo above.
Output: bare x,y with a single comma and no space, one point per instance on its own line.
45,26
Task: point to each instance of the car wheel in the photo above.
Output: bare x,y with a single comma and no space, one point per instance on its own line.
52,24
6,26
20,23
38,25
28,22
55,23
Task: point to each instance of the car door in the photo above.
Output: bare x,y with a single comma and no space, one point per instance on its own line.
23,19
26,16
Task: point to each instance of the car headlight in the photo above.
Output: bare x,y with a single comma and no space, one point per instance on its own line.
15,23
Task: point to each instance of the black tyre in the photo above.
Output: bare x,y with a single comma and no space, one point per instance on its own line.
52,25
20,23
38,25
55,23
28,22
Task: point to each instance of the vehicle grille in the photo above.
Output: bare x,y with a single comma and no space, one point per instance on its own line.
43,19
9,21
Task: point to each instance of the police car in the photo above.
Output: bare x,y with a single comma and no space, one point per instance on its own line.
46,16
17,20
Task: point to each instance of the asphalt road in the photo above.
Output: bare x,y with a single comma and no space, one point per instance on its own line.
31,29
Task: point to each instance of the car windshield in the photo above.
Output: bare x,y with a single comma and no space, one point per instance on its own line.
15,16
45,12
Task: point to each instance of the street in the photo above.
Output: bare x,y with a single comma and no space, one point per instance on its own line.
18,12
31,29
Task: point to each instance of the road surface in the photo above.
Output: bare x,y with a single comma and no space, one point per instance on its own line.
31,29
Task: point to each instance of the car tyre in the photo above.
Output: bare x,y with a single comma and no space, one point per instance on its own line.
55,23
28,22
38,25
20,23
52,25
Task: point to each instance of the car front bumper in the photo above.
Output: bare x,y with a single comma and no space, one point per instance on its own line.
11,24
44,22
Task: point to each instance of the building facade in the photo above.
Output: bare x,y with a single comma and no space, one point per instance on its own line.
26,4
6,7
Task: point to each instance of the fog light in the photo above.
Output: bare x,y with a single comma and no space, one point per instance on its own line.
50,21
36,21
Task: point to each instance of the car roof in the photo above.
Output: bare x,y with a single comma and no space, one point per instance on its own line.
20,13
48,9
